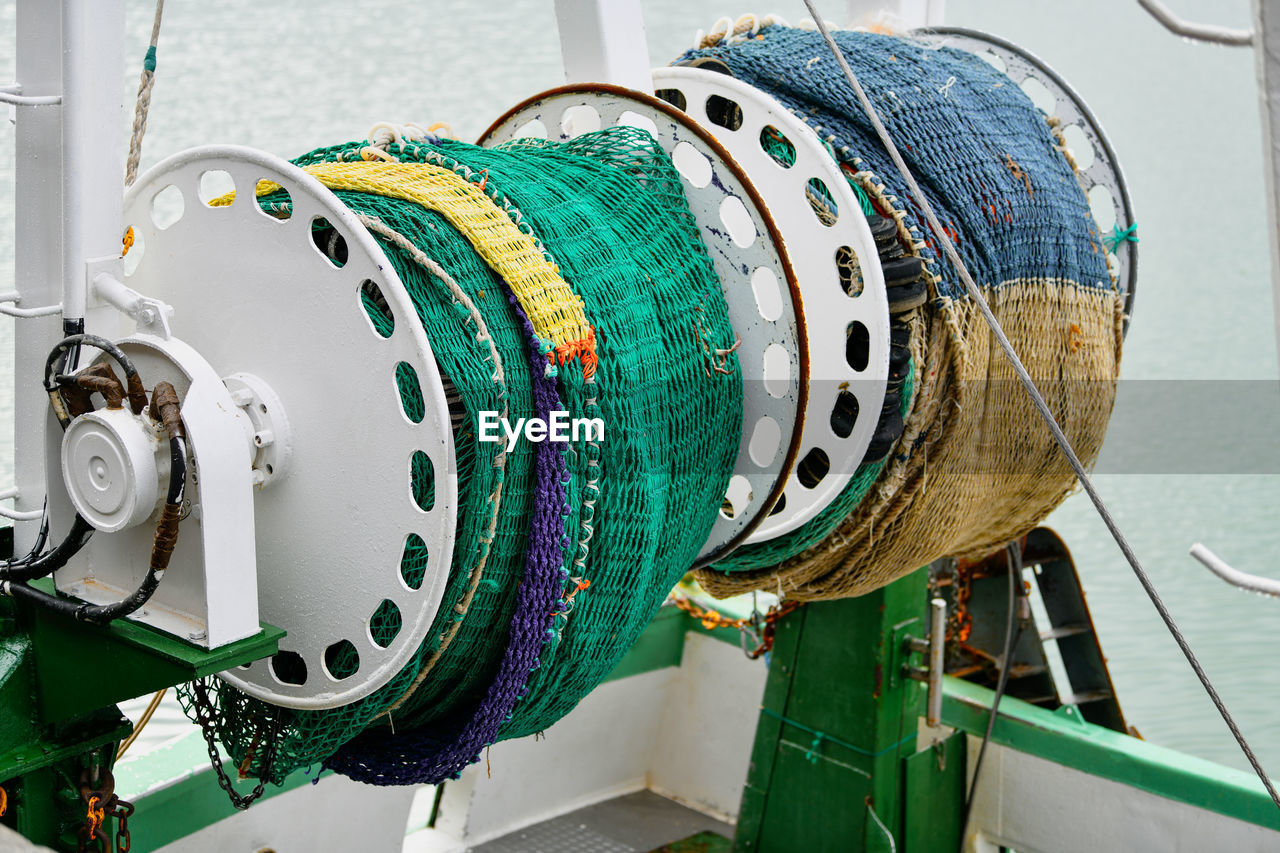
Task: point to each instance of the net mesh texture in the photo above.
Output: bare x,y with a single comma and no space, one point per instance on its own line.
510,653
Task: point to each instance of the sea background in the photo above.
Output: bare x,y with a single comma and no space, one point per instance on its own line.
289,76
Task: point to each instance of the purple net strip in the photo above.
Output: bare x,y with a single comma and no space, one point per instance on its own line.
427,755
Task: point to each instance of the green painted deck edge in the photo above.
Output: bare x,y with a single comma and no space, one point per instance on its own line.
179,770
1064,738
174,792
662,643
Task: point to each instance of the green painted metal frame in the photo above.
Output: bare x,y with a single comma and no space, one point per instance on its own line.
81,667
59,682
179,772
1065,738
837,720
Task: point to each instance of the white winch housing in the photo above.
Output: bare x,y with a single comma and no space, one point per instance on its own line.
115,468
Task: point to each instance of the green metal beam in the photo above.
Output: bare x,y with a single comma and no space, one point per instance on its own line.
1063,737
935,780
81,667
837,720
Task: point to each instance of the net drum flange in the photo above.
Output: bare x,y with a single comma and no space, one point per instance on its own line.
755,267
1097,166
743,119
254,294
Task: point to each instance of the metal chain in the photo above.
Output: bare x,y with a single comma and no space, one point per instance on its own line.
758,628
268,731
121,813
101,805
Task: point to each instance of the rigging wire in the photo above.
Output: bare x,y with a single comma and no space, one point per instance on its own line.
1011,637
1028,383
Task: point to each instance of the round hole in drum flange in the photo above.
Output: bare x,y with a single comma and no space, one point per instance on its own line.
844,414
780,149
857,346
776,370
273,200
780,505
422,481
764,284
692,164
1078,144
766,438
736,219
674,97
413,561
849,270
630,118
385,623
579,119
1040,95
1103,206
822,202
724,112
737,497
342,660
216,185
167,207
411,401
992,59
289,667
329,242
532,129
813,468
376,308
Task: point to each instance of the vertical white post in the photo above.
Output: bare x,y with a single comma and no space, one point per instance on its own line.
92,142
68,191
1266,19
603,41
37,246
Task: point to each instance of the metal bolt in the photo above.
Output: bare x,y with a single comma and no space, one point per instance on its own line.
242,397
264,438
258,477
197,635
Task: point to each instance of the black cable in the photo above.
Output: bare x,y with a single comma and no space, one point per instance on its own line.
13,574
34,565
53,379
103,613
42,538
1011,636
30,569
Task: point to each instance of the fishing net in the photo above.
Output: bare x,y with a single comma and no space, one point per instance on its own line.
579,295
975,466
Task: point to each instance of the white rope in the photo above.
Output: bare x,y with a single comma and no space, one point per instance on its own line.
1029,384
145,86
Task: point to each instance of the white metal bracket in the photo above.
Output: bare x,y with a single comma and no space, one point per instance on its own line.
152,315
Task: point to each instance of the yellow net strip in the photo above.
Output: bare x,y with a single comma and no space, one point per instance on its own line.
555,311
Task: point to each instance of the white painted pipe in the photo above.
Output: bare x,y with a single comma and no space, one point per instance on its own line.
1198,32
93,124
1235,577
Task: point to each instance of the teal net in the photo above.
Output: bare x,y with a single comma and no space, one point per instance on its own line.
637,506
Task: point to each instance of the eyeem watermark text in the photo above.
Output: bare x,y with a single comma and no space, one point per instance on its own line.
559,427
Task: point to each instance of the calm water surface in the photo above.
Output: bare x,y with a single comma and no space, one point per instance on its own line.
289,76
